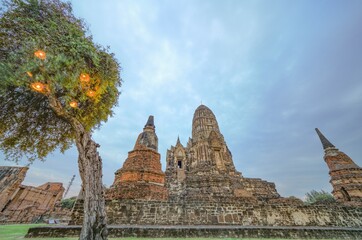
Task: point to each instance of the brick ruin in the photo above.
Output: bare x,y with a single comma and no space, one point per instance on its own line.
346,176
204,169
25,204
141,176
10,181
202,187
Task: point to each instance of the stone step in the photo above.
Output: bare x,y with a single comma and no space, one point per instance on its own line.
226,231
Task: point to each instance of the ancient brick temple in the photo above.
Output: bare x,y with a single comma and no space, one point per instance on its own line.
202,187
25,204
204,168
346,176
141,176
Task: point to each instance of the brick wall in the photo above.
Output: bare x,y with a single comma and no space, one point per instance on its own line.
31,203
10,180
234,213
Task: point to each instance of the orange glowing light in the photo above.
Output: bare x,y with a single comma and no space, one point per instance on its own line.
73,104
40,54
37,86
84,77
29,74
91,93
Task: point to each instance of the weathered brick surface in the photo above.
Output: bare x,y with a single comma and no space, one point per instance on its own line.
346,178
205,188
141,176
204,169
10,181
31,203
346,175
24,204
206,231
225,213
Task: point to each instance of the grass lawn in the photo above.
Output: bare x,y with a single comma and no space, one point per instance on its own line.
18,231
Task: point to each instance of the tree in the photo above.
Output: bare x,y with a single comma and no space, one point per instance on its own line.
68,202
319,197
56,86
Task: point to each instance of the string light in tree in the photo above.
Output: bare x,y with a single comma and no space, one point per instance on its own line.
90,93
73,104
40,54
84,77
38,86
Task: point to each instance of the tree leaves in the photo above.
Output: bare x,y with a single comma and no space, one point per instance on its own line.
29,125
319,197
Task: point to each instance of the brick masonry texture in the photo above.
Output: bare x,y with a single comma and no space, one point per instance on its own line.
25,204
206,231
201,194
10,181
346,175
141,176
202,187
227,213
204,170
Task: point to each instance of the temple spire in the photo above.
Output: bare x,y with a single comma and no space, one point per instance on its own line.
148,137
326,144
178,141
150,122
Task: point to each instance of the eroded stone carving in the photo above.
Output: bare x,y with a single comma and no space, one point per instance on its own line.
204,169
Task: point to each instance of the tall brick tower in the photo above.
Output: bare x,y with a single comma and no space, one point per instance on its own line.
204,169
209,143
141,176
346,176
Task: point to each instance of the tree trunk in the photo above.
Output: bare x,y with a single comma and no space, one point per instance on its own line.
90,168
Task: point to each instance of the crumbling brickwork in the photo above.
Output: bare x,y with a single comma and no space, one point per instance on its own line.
25,204
141,176
205,189
10,180
140,212
261,189
346,175
204,169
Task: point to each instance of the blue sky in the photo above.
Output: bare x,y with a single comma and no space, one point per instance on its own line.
271,71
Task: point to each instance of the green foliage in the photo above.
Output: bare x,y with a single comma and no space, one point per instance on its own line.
28,124
319,197
68,203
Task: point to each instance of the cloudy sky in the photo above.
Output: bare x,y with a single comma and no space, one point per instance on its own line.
271,71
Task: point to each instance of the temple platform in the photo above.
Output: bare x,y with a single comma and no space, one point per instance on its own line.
225,231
